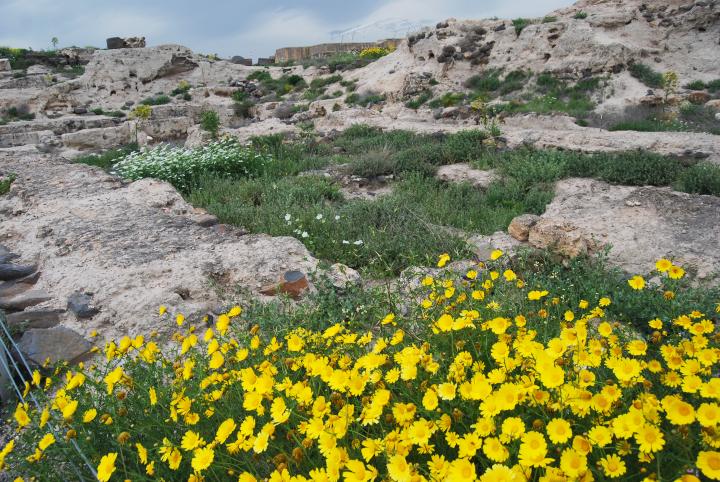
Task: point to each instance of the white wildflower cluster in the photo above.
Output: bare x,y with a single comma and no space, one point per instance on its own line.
181,167
300,231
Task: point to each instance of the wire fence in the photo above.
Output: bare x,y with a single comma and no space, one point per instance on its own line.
15,371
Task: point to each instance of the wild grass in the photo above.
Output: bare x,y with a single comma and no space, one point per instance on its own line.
646,75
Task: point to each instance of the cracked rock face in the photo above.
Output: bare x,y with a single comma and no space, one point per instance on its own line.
641,224
133,246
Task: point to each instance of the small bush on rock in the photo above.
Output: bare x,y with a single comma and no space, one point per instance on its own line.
182,167
646,75
210,122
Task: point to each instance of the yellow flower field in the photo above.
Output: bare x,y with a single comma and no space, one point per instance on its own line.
467,389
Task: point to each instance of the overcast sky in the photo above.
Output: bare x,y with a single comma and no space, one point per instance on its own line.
238,27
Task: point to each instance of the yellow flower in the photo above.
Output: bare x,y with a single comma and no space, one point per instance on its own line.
461,470
650,438
637,282
444,258
69,410
47,440
613,466
89,415
295,343
142,452
573,463
162,310
153,396
535,295
709,464
180,319
499,473
559,431
106,467
279,411
216,360
21,416
496,254
191,441
676,272
202,458
663,265
399,469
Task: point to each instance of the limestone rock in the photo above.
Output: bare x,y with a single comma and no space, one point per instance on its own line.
12,271
342,276
698,97
465,173
482,246
639,224
520,226
133,246
24,320
5,65
125,43
57,343
560,237
82,305
24,300
713,104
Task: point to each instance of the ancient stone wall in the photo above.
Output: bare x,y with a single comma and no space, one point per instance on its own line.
287,54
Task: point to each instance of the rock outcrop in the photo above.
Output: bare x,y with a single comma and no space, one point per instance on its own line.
133,246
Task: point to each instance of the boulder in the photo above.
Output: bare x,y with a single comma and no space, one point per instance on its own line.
520,226
82,305
24,300
25,320
5,65
58,344
713,105
698,97
560,237
342,276
463,172
125,43
13,271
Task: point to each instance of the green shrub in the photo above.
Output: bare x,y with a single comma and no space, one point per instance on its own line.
210,122
364,100
107,159
513,81
580,15
5,183
182,88
260,76
156,100
646,75
549,19
520,24
488,81
696,85
647,125
182,167
448,99
419,100
703,178
714,85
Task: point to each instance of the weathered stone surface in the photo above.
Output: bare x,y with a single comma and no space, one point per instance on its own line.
13,271
132,245
12,288
125,43
465,173
343,276
24,300
483,245
520,226
713,104
5,65
82,305
560,237
640,224
34,319
57,343
698,97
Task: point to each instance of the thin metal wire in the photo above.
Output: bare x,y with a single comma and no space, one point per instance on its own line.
18,371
